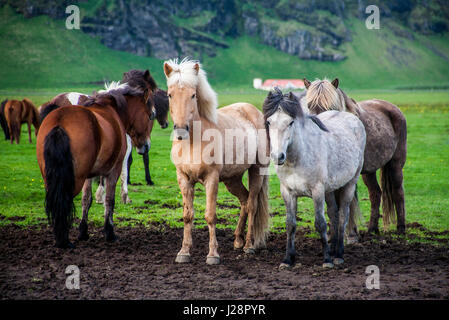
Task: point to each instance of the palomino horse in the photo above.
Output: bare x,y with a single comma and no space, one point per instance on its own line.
318,157
386,147
18,112
3,122
77,143
193,109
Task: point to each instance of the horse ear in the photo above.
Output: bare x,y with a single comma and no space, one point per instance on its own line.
146,75
335,83
196,67
167,69
307,83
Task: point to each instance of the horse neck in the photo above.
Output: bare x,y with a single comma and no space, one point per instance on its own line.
304,143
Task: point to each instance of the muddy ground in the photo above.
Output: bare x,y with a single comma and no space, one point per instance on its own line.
141,266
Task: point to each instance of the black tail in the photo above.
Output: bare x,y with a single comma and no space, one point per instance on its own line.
60,184
3,122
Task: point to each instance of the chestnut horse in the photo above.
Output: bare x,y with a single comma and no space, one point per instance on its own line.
386,147
78,143
193,109
3,122
18,112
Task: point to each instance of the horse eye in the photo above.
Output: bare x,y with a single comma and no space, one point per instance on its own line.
268,123
193,96
291,123
169,96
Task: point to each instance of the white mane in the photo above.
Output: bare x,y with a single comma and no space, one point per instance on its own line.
113,85
184,74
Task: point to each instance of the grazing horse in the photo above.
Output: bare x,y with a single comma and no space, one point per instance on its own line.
318,157
193,109
386,147
18,112
78,143
3,122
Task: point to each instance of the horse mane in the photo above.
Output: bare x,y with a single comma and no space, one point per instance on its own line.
184,74
290,104
323,94
139,79
46,109
116,92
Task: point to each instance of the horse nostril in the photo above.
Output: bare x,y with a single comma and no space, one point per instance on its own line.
187,127
281,157
179,137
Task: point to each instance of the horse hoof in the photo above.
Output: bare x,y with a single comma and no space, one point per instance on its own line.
213,260
83,237
284,266
182,258
249,250
338,261
352,240
111,238
328,265
150,183
238,244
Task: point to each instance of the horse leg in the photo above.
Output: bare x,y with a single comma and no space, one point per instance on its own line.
187,190
146,163
124,176
211,185
375,194
100,194
29,132
255,181
86,202
236,188
398,194
320,224
332,213
345,198
290,223
130,161
111,182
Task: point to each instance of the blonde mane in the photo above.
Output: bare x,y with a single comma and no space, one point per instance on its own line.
322,94
184,74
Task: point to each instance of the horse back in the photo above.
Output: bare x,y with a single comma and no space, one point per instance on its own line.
386,131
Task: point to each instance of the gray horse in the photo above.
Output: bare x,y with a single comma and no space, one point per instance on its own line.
318,157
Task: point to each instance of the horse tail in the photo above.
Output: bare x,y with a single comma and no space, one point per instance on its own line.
3,122
13,121
262,215
386,178
36,119
355,215
60,184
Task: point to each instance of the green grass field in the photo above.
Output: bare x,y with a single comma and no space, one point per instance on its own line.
426,174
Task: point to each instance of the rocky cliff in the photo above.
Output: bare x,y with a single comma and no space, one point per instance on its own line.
309,29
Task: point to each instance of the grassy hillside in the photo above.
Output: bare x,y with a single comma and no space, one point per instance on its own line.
40,53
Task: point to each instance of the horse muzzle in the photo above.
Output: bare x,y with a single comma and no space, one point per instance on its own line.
144,149
278,158
181,133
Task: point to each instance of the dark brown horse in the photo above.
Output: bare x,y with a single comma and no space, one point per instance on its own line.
386,147
3,122
161,104
19,112
78,143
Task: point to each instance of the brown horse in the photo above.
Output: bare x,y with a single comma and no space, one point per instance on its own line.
386,147
3,122
77,143
193,109
61,100
18,112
